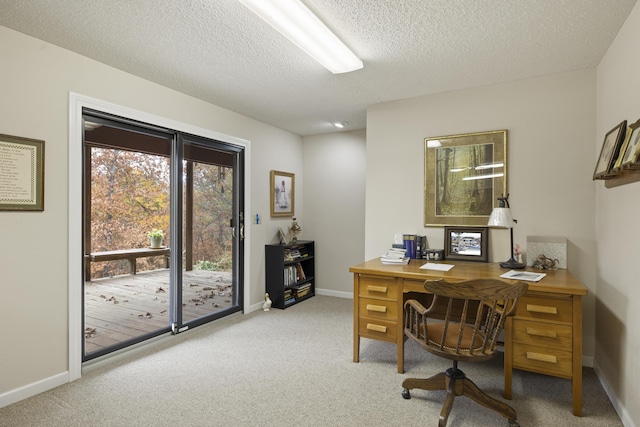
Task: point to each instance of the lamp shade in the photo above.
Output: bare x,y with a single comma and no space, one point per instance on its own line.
501,217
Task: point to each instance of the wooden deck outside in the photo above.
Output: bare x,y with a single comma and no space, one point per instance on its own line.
120,308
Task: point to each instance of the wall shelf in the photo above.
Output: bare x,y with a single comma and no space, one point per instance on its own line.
626,177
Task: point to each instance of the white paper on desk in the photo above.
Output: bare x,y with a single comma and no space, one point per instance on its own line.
523,275
434,266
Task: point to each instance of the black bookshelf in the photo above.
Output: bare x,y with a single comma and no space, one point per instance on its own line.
290,272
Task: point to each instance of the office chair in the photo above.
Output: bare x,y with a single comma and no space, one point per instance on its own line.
462,323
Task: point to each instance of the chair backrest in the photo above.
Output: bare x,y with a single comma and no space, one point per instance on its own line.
464,319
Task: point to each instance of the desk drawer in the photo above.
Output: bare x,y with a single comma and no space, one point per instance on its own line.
543,360
378,309
559,310
543,334
377,329
378,287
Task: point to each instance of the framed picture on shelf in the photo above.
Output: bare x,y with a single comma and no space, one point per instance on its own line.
631,154
282,193
21,174
610,150
284,237
466,243
464,176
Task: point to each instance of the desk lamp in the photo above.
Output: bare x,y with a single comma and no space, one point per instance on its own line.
501,217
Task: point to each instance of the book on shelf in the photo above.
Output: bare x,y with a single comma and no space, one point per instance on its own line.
410,245
301,275
299,293
421,245
293,274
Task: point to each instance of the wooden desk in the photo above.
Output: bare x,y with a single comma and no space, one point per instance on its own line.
544,336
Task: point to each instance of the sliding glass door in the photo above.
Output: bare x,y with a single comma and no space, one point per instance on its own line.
140,179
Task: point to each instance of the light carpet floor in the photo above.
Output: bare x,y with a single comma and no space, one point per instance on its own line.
292,368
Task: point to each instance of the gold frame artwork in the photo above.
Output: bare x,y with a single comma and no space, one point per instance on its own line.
464,176
609,153
21,174
630,153
282,204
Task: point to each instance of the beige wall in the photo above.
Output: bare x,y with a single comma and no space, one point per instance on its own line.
618,233
35,81
551,125
334,172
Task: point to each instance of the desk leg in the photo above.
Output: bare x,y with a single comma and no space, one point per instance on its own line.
356,315
400,330
508,357
576,382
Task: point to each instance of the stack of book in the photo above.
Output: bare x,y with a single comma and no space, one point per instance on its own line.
296,252
288,296
287,255
302,290
395,256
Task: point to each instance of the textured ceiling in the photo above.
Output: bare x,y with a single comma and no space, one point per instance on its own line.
218,51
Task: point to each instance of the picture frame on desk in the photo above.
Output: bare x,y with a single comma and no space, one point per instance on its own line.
470,167
282,193
609,153
466,243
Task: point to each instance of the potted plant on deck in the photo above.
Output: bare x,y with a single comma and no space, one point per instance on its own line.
155,238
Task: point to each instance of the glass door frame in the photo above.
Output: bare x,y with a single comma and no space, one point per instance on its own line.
75,264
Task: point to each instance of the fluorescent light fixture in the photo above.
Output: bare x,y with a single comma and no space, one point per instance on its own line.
340,125
490,166
297,23
493,175
459,169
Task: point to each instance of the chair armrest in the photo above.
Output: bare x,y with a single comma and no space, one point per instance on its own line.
415,305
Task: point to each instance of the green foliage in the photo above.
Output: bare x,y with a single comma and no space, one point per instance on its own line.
130,195
156,233
220,265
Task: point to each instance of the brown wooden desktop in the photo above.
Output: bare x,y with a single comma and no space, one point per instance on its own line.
544,336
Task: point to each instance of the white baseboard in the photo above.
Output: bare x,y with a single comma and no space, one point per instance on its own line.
620,409
32,389
330,293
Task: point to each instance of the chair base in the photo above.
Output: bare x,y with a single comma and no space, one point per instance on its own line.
456,383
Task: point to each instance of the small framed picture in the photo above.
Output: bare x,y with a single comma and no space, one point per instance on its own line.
631,154
282,193
284,236
21,174
610,150
466,243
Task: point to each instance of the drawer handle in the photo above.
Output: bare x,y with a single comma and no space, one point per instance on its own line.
542,333
378,308
372,288
542,309
377,328
542,357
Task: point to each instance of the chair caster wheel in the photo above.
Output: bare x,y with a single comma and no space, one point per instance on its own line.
405,393
513,423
